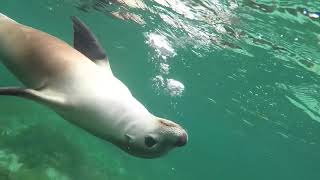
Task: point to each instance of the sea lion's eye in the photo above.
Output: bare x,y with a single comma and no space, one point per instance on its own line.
150,141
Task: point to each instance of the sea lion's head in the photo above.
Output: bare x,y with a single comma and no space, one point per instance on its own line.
157,141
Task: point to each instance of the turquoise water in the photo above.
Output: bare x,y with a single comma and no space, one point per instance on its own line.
241,76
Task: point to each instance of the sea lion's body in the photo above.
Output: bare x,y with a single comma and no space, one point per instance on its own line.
40,60
78,89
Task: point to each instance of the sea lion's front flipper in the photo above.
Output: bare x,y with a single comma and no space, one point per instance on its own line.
36,95
86,42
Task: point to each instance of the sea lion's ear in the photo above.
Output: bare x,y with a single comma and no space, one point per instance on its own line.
129,138
86,42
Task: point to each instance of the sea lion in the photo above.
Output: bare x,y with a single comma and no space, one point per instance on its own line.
78,84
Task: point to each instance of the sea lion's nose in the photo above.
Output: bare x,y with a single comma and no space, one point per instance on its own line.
183,139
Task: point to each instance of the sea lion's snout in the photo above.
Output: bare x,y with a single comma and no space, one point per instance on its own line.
182,140
155,142
175,130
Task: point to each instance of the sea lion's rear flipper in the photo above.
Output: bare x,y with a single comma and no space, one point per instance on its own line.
36,95
86,42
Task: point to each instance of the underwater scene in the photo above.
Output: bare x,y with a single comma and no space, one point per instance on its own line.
242,77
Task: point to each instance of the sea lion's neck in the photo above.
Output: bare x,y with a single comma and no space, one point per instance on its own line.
133,118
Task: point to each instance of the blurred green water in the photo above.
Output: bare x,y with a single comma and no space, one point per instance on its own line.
250,100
